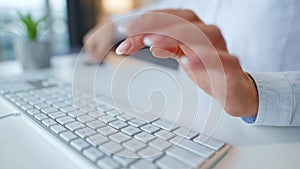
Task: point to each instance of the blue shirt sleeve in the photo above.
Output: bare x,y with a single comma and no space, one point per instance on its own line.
279,99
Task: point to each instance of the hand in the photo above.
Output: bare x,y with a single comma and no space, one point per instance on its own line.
98,41
201,51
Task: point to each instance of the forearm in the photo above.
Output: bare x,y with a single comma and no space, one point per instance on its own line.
279,98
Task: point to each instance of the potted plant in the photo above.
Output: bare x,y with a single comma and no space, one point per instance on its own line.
31,51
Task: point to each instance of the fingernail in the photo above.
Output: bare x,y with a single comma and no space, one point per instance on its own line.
184,60
147,41
122,48
122,29
151,48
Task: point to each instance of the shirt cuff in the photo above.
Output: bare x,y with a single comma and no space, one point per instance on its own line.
275,100
249,120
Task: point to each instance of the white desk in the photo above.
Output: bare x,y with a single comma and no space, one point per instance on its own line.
252,146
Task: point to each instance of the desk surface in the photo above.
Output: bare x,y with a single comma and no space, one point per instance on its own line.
252,146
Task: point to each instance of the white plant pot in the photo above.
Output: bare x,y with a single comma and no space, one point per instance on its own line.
33,54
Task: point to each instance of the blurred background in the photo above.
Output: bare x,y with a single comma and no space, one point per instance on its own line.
68,20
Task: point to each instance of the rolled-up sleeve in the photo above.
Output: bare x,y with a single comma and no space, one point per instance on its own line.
279,99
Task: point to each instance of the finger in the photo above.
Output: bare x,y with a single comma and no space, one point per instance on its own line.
174,52
90,42
164,45
191,59
98,40
154,20
204,67
130,45
90,48
197,34
161,41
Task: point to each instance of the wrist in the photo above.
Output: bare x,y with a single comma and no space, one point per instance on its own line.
252,106
242,97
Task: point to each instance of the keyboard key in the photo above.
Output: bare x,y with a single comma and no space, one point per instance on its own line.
167,162
107,118
150,128
36,101
97,139
92,153
124,161
144,137
85,118
110,147
193,147
42,105
160,144
108,163
118,124
48,122
76,113
68,136
113,113
95,124
26,107
187,133
64,120
125,157
134,145
130,130
40,116
20,103
75,125
49,110
68,109
166,135
150,152
125,117
79,144
137,122
107,130
209,142
78,104
87,109
60,105
56,115
33,111
143,164
58,129
119,137
29,98
185,156
97,114
104,108
164,124
54,100
128,154
85,132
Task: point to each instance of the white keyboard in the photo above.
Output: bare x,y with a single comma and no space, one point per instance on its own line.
106,137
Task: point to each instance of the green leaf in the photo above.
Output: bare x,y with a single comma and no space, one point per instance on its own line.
31,25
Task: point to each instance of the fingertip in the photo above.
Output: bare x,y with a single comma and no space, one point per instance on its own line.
123,47
119,51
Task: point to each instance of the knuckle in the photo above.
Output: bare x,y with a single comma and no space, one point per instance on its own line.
190,12
215,29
